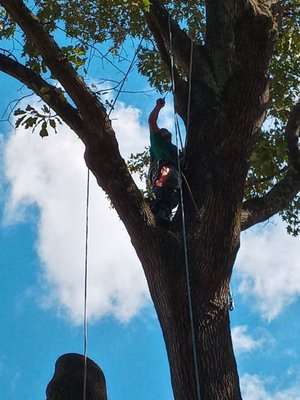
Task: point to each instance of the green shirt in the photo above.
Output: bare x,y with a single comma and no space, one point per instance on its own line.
162,149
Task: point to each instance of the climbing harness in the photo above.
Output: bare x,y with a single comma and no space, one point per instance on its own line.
184,234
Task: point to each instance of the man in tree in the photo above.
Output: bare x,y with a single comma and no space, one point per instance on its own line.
163,173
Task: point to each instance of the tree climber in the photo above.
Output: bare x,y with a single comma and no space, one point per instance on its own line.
163,173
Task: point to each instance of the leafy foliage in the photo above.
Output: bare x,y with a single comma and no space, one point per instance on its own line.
30,118
7,26
285,84
138,164
269,161
150,64
292,217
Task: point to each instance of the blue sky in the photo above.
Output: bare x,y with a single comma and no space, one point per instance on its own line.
43,186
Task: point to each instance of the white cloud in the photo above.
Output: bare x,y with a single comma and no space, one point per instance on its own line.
51,174
131,135
268,266
242,342
255,388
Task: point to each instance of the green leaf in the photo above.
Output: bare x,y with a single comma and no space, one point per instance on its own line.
30,122
146,5
53,124
19,121
19,112
46,109
29,108
44,131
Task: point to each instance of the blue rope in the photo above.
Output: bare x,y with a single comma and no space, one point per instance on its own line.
85,319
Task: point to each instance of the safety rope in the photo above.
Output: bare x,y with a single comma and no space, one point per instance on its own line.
190,192
85,317
189,91
184,233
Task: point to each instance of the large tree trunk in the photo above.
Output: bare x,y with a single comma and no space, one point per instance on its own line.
225,118
213,241
216,367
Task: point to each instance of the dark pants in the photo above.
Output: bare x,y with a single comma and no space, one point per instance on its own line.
164,200
165,194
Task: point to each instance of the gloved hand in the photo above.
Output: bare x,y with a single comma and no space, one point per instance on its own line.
160,103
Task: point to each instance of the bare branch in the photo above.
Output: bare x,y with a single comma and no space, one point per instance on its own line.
260,209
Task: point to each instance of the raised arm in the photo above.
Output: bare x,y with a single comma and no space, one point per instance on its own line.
153,116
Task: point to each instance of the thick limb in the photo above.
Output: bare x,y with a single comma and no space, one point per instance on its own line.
260,209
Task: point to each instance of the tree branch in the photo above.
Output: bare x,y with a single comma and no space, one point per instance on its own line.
180,85
260,209
222,19
220,37
251,182
48,93
158,21
53,56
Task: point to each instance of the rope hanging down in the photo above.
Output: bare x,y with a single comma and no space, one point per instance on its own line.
85,317
177,131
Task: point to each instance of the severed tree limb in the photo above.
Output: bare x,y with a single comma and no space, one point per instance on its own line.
260,209
48,93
